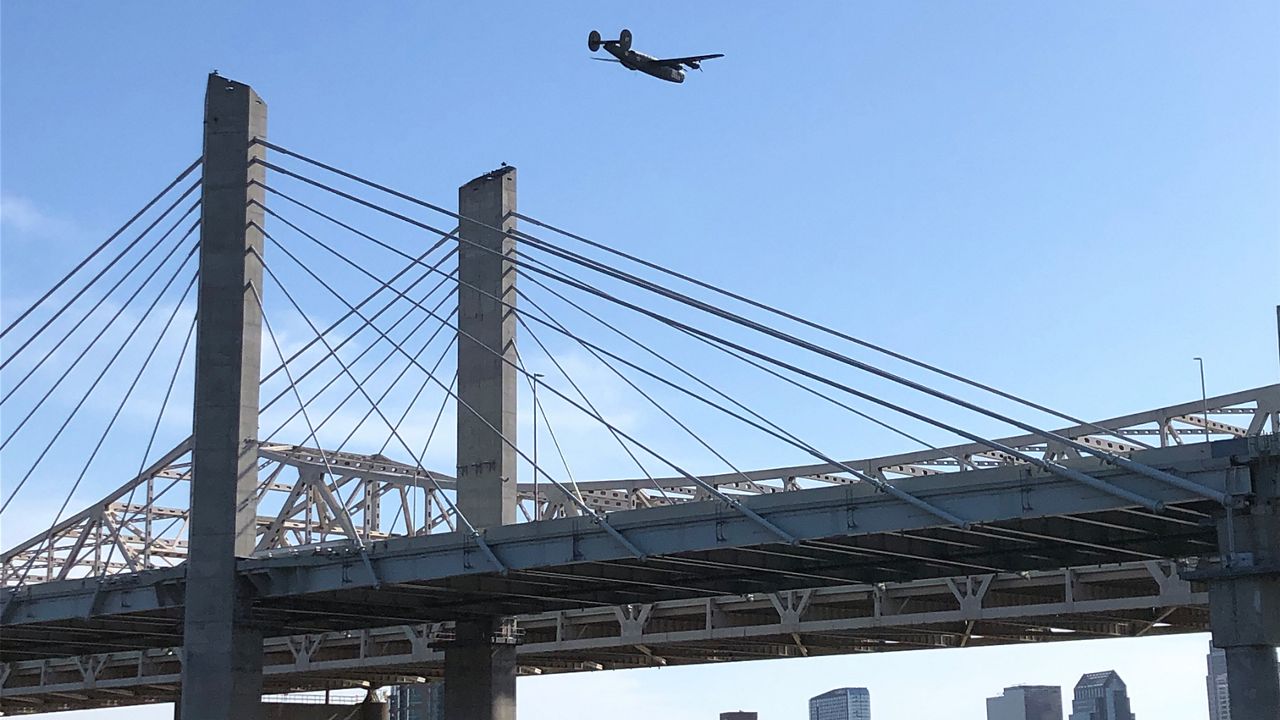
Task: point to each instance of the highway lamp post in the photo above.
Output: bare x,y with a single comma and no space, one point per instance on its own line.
537,507
1229,519
1204,398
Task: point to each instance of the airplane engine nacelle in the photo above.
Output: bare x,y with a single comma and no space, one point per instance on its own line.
694,65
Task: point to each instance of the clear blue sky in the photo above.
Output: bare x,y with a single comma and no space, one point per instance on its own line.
1070,201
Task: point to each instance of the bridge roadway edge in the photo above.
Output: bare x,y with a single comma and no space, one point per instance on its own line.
573,563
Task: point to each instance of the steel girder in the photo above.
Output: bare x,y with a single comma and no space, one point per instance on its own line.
1125,600
1021,521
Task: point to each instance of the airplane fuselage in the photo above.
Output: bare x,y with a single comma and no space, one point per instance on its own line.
646,64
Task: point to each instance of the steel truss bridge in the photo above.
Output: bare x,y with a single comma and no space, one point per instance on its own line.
357,569
1124,592
1122,600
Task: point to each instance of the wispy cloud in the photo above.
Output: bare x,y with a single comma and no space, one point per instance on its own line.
25,217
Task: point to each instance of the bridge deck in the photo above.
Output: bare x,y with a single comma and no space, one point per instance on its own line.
1023,520
1126,600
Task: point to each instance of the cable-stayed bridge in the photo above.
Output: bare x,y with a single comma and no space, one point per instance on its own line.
1143,596
325,505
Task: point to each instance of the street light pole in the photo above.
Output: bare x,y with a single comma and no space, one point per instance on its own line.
1204,399
537,505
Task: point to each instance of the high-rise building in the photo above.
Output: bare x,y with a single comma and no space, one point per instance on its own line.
739,715
1216,683
841,704
1027,702
424,701
1101,696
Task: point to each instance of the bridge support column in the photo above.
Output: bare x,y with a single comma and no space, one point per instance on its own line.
222,663
1244,597
479,673
480,666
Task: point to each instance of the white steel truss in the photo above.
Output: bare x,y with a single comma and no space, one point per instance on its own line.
309,498
1126,600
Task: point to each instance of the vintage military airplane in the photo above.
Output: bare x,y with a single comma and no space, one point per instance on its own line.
669,69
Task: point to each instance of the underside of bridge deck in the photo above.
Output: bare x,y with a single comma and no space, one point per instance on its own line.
1129,600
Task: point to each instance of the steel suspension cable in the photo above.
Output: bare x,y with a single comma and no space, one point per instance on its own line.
411,221
621,443
728,500
1154,473
155,429
834,332
471,528
795,318
266,322
879,484
430,435
676,366
597,518
136,265
680,424
397,251
96,381
102,332
538,409
30,339
435,366
413,262
906,497
421,389
115,356
128,393
1054,468
358,357
520,317
151,203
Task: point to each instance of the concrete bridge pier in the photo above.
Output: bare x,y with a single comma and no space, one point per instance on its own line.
480,662
222,648
1244,597
480,673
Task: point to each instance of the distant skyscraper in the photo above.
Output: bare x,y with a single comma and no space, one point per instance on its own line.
1027,702
423,701
739,715
1101,696
841,704
1216,682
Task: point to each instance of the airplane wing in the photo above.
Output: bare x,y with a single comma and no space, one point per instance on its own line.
605,60
692,61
